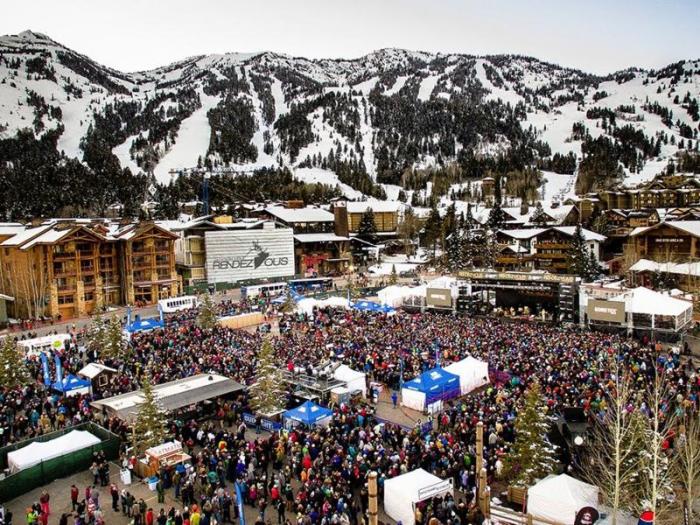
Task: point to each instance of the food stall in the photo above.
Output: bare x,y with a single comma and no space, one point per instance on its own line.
168,455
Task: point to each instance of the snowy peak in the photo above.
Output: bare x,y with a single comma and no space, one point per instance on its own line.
362,120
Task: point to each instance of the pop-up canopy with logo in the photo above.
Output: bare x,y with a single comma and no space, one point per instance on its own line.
72,385
369,306
309,414
403,492
430,387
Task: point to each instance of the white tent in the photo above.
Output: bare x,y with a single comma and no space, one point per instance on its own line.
36,452
394,295
472,373
307,304
403,492
559,498
355,380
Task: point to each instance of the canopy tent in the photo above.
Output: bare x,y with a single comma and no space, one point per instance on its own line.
403,492
36,452
72,385
355,380
370,306
655,310
428,388
559,498
309,413
306,305
394,295
472,373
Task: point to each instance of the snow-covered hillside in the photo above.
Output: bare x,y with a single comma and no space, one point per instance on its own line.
384,111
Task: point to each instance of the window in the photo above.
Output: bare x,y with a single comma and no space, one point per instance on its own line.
89,296
65,299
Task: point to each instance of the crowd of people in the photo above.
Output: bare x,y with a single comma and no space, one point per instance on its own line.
318,475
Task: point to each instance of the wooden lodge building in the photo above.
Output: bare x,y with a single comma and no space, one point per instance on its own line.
71,268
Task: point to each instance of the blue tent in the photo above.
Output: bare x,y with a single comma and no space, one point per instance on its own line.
308,413
370,306
143,325
431,386
70,383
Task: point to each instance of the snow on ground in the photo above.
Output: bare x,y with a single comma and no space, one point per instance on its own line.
558,125
278,96
122,153
192,141
557,187
318,175
327,137
366,86
426,87
392,191
507,96
400,82
650,170
385,268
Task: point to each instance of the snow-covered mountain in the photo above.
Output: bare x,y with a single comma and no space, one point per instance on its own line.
384,112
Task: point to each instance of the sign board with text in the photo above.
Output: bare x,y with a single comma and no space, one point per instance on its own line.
234,256
438,297
610,311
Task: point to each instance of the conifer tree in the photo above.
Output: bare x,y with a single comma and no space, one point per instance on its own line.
267,394
207,315
393,277
455,251
114,344
497,217
539,217
367,229
150,427
577,257
97,334
532,456
13,371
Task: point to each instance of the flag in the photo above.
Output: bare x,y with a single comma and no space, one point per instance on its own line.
45,367
59,369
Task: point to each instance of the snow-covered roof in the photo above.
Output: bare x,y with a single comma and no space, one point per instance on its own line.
49,237
11,228
319,237
645,301
375,206
25,235
588,235
295,215
645,265
691,227
523,233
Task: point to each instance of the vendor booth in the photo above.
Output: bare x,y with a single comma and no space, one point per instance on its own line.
353,379
472,373
36,452
370,306
428,390
72,385
309,414
559,498
168,455
403,492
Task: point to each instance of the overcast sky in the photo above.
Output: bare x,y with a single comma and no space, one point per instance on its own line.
594,35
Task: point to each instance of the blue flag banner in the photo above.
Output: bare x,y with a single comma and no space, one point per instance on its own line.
59,368
239,504
45,368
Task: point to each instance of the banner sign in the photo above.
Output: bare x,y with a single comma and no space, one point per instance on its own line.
45,368
439,297
610,311
234,256
266,424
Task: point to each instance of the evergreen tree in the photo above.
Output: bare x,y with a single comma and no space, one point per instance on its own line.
433,229
13,371
393,278
532,456
539,217
578,257
97,334
488,246
150,428
207,314
267,394
367,230
497,217
114,344
455,251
